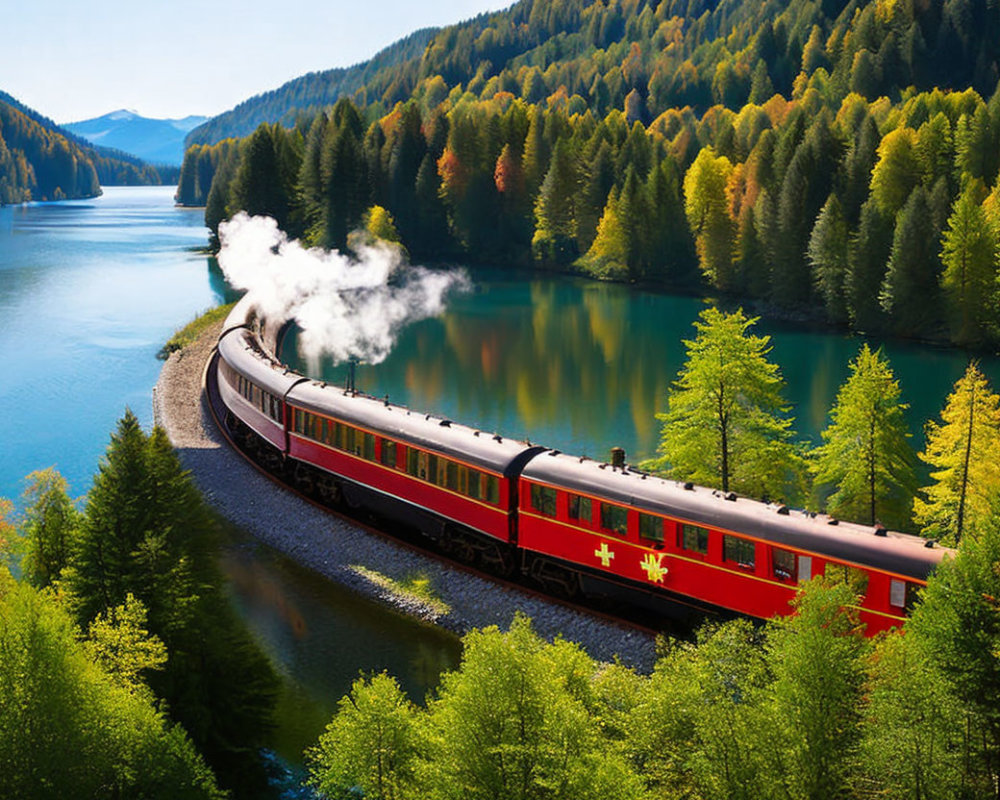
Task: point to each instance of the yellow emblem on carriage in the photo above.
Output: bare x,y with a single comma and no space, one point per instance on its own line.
654,567
604,554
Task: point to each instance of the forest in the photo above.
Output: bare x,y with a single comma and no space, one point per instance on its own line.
41,161
834,162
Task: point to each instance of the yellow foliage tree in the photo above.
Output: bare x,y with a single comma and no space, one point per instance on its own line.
962,449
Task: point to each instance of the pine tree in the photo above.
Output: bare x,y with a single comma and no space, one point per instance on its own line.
866,266
969,273
910,288
866,455
827,253
726,424
554,241
961,449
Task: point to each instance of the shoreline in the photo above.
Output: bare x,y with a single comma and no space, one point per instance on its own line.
334,548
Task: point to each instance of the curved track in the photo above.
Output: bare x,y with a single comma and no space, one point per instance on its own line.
626,616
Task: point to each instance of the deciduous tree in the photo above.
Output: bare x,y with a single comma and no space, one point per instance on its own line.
961,450
866,455
726,425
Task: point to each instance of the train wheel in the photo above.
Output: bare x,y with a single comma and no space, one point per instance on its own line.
556,580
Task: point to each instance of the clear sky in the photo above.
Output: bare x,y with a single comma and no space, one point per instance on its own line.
72,60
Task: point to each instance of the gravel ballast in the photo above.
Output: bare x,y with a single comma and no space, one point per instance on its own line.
334,547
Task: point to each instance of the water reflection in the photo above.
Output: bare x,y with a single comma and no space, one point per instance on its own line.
320,637
583,367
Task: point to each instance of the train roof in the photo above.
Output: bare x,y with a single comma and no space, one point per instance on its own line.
476,448
242,350
900,553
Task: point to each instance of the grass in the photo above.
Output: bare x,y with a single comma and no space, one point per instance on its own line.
186,335
413,587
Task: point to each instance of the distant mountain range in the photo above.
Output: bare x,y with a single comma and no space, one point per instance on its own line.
39,160
156,141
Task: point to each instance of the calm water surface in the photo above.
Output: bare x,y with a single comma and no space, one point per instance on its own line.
89,291
584,367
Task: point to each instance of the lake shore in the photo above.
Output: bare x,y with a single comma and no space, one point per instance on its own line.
344,552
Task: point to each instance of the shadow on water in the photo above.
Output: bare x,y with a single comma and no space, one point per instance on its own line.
320,637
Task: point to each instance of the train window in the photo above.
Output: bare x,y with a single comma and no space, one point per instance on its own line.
299,420
614,518
492,489
330,436
431,471
475,484
897,593
543,498
369,446
738,551
855,578
413,462
694,538
783,564
650,528
579,508
453,479
387,453
805,568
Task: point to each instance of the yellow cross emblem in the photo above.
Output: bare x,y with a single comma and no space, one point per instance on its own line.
604,554
654,567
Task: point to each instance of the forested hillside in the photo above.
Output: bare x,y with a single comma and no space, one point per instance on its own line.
41,161
827,159
311,93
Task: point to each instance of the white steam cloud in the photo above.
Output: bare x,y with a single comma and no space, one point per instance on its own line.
346,307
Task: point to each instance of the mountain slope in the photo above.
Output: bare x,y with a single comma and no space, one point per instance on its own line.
41,161
308,94
157,141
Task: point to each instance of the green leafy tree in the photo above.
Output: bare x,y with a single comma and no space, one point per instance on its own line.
68,728
961,450
957,624
49,530
912,745
866,455
816,658
120,643
969,270
866,265
707,211
372,743
513,722
726,425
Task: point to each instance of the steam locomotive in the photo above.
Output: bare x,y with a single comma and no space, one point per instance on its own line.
569,523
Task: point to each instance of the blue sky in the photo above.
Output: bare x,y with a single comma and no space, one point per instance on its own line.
72,60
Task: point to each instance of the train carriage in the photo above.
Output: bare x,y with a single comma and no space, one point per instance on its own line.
699,549
448,479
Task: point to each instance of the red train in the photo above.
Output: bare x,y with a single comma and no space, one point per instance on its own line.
570,523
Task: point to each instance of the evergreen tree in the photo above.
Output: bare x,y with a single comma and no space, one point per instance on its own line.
869,251
554,241
609,252
147,533
961,451
957,625
910,287
726,426
827,252
865,455
969,272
